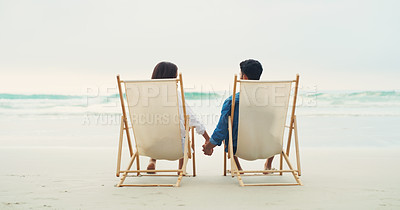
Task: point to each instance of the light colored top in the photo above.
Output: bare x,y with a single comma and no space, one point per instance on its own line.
193,121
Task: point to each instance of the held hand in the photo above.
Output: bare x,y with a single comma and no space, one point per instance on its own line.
207,149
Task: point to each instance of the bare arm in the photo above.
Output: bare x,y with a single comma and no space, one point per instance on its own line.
206,137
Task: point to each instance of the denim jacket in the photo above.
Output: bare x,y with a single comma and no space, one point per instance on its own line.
221,131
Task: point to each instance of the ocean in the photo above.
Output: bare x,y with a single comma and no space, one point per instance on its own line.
328,103
325,118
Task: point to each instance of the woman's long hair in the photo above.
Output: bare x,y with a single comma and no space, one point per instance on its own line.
165,70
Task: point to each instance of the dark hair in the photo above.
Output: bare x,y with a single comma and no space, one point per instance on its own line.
251,68
165,70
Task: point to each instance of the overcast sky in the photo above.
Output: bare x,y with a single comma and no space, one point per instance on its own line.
49,46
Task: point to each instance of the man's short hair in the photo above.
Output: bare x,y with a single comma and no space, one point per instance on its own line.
251,68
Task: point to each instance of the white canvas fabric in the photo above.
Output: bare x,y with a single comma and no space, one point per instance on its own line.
262,116
153,109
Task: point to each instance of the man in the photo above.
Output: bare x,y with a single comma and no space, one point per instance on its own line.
250,70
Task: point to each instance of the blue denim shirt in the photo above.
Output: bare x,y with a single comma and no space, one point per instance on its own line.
221,131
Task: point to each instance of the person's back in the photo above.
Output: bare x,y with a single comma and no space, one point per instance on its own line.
249,70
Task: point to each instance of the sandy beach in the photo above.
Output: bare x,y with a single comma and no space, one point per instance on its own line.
73,178
60,163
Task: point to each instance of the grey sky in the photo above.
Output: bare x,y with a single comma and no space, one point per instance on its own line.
65,46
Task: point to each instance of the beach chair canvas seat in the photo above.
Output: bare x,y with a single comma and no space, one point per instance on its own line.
154,116
263,112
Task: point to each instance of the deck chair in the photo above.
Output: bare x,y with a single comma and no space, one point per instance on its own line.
263,112
155,122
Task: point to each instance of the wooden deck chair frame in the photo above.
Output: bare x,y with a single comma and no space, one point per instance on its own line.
296,172
134,155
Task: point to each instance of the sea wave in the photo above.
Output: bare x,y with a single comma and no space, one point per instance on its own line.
363,96
37,96
349,103
8,96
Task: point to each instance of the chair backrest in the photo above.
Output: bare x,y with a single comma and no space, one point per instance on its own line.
263,108
154,115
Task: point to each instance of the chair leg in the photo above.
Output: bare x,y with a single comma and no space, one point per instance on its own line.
289,137
121,137
186,146
296,141
193,154
235,170
178,182
234,167
240,179
127,169
224,162
280,164
137,163
185,160
291,168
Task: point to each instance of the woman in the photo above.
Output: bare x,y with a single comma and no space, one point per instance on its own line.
167,70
